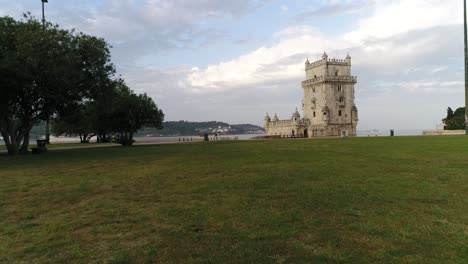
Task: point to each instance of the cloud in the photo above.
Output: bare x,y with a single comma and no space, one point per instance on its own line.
282,61
427,86
332,7
179,102
136,28
396,17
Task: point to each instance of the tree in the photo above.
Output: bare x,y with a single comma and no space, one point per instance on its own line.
44,70
76,122
132,112
34,65
88,117
455,120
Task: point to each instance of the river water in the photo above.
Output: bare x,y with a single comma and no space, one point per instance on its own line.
360,133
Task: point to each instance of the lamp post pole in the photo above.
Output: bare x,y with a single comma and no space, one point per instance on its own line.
466,68
47,128
43,13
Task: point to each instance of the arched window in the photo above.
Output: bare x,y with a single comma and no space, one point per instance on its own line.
337,73
339,88
341,99
314,113
339,113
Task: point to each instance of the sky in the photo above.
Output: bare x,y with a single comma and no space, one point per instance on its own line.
233,61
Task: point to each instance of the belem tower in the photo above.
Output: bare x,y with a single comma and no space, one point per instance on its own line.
328,103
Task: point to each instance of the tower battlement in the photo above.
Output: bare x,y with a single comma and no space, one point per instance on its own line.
332,61
325,61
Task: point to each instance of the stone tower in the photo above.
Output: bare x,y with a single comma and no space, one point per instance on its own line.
328,101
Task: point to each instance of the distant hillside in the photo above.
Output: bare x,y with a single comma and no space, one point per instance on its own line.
186,128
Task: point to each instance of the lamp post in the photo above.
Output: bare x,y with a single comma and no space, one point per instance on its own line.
43,13
47,128
466,69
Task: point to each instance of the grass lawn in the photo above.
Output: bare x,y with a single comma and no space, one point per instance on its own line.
357,200
61,145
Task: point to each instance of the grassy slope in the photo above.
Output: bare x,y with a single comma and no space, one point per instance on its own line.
361,200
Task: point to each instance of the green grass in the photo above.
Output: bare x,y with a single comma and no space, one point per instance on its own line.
62,145
358,200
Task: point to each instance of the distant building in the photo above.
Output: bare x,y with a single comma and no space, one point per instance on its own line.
328,103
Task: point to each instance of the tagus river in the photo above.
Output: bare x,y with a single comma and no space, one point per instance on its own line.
173,139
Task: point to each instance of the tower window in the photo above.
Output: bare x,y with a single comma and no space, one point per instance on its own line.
339,88
337,73
339,112
324,113
314,113
341,99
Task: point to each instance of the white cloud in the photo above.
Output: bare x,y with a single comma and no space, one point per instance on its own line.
395,33
396,17
284,60
426,86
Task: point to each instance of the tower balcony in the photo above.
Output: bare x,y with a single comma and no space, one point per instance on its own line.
326,79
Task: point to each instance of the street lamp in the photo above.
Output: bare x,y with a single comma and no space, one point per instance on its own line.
47,128
43,15
466,70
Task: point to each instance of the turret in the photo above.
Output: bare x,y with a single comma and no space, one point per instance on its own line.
348,59
325,59
355,114
296,116
324,56
275,118
307,63
266,121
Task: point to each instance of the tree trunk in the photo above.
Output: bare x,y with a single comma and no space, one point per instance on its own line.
10,138
10,147
88,137
130,139
25,147
47,131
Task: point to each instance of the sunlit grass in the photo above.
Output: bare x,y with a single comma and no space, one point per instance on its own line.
356,200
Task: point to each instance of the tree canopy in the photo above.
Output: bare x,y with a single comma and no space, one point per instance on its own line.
48,71
455,120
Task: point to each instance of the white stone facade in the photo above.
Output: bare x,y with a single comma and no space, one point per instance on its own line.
328,103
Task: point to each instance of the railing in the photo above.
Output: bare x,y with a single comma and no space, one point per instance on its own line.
323,78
